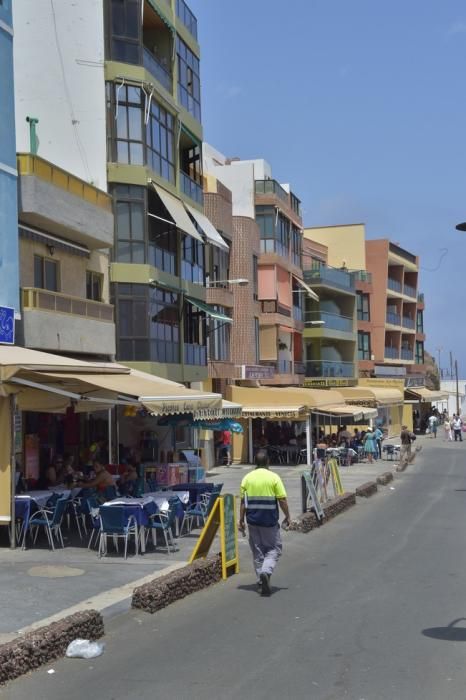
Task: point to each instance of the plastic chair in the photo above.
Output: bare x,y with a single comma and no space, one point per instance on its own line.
93,508
22,516
164,522
51,520
116,523
151,485
199,511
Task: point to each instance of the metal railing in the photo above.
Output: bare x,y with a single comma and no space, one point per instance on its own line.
155,68
408,322
271,187
406,354
44,300
191,188
393,318
409,291
394,285
392,353
331,275
362,276
330,320
325,368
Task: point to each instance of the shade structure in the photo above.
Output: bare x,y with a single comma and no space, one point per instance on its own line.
423,394
347,413
209,310
208,228
263,402
178,213
310,292
371,395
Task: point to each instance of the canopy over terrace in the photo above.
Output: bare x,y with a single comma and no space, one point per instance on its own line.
425,395
371,395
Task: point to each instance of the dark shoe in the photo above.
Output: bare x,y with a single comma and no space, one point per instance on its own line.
265,585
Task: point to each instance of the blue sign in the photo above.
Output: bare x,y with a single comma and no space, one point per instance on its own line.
7,325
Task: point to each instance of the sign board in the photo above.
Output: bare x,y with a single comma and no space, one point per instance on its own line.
7,325
312,499
336,480
257,372
331,381
223,517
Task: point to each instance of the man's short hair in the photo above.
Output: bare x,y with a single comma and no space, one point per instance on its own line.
404,427
262,458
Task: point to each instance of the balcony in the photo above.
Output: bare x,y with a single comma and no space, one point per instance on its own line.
420,298
324,368
392,353
394,285
59,203
331,277
331,321
60,322
195,354
393,318
408,323
271,187
273,307
155,68
191,188
362,276
409,291
407,354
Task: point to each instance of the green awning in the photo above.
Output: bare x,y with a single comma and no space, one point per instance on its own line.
162,16
209,310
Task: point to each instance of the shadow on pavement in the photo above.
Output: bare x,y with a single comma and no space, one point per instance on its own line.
448,634
253,587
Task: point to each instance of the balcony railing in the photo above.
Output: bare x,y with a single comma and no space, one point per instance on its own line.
273,307
195,354
191,188
326,368
394,285
392,353
270,187
298,313
406,354
42,299
332,321
408,322
393,318
362,276
409,291
155,68
331,275
279,366
299,368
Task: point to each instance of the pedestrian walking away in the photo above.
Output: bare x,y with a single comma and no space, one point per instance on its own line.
433,423
262,493
447,429
457,425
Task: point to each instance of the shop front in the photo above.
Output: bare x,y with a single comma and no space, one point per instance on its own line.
388,400
421,400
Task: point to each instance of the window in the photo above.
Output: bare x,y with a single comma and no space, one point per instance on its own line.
364,346
132,321
187,17
195,351
192,263
298,301
419,322
94,284
274,230
160,142
419,352
129,211
219,266
255,278
46,273
189,86
296,245
257,338
164,326
363,306
218,338
125,24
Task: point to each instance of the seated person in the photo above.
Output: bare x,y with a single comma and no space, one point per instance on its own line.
54,473
101,480
127,480
70,473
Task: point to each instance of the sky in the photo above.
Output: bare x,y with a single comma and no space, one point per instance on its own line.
361,106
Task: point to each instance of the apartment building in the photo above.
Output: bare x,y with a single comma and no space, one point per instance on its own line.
121,111
266,251
9,273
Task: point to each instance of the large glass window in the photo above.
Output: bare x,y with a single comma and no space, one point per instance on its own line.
274,230
218,338
195,351
160,142
255,277
219,266
129,209
94,284
364,346
187,17
192,263
363,306
419,352
296,245
46,273
419,322
124,21
164,326
257,339
189,86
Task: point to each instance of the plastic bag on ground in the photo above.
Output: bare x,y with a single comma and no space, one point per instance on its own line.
84,649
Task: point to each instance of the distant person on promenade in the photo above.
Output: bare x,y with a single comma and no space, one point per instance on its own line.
406,438
447,429
457,425
370,445
262,493
433,423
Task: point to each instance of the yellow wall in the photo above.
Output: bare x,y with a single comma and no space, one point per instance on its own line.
408,415
5,460
346,244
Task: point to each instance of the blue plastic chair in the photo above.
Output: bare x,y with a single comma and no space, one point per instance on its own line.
163,522
200,511
51,520
22,516
93,510
116,523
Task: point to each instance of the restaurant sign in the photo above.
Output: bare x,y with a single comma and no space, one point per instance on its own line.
257,371
7,325
223,517
328,381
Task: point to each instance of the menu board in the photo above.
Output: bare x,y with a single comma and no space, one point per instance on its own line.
229,529
223,516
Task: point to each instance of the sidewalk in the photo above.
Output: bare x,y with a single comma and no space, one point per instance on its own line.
39,583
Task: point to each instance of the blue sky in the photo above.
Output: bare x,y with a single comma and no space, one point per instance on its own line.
361,106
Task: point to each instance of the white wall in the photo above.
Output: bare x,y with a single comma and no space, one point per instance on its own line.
450,386
60,96
240,180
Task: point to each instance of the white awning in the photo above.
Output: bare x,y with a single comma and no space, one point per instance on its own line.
307,288
208,228
175,208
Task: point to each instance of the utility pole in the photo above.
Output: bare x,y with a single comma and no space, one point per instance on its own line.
451,365
457,391
438,364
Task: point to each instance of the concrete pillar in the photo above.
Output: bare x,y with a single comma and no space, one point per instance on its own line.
250,442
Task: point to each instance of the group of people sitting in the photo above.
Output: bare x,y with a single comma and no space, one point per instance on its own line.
369,441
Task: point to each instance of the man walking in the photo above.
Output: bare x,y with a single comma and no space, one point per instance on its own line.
457,425
262,492
433,422
405,450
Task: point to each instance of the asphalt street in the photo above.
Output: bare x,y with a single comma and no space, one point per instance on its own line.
370,607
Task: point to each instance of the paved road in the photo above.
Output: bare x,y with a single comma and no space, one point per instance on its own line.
364,608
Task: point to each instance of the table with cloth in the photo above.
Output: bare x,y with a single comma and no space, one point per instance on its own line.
136,508
194,490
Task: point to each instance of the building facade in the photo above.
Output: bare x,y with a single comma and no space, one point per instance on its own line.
9,266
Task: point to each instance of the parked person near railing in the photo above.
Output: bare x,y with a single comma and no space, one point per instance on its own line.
370,445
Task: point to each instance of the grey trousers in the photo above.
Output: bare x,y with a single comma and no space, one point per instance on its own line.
266,548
